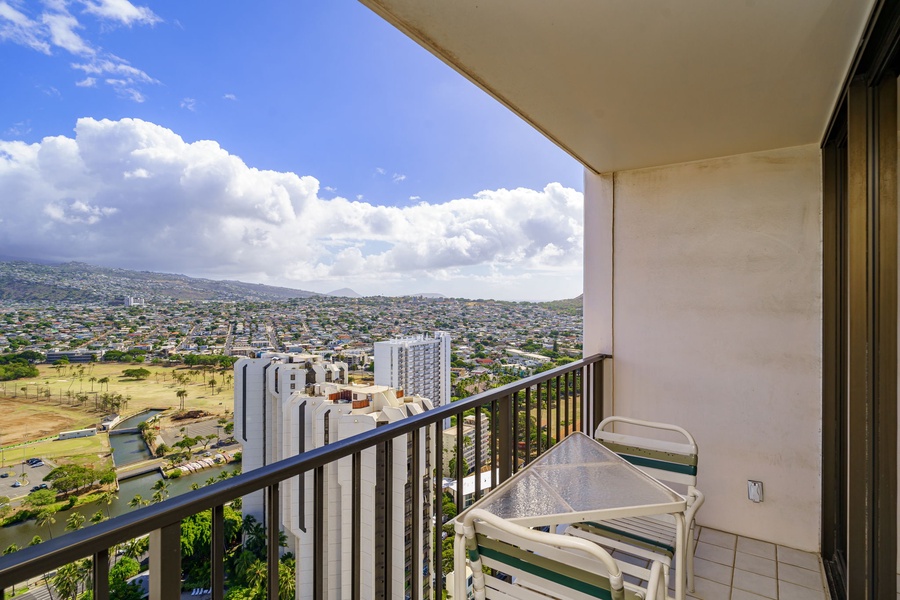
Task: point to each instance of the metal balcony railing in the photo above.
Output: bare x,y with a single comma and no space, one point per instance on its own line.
525,418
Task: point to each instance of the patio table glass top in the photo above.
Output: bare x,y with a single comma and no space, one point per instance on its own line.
578,479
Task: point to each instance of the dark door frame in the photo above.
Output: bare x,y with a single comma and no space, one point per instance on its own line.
859,296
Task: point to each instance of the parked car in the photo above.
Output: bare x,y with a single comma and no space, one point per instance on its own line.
4,475
17,484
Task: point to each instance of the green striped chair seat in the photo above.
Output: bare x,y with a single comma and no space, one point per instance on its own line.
509,562
652,534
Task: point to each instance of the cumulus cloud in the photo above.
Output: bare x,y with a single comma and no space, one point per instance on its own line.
51,25
135,194
122,11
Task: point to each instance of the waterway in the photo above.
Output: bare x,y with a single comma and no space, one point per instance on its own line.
130,448
22,533
135,420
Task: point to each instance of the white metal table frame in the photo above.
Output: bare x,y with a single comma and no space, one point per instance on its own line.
577,480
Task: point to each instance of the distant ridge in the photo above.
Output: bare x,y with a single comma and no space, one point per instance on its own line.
344,293
32,281
573,306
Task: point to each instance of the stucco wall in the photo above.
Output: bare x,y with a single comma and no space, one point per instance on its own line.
716,325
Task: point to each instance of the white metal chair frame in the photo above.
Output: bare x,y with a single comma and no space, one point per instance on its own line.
532,557
671,462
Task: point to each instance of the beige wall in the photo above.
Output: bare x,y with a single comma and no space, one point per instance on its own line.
716,324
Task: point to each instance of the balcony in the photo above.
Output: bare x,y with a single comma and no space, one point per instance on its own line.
525,418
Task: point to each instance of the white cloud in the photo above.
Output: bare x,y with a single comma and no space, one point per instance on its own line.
380,171
190,104
135,194
229,97
20,129
122,11
53,26
397,178
18,28
414,198
61,27
328,188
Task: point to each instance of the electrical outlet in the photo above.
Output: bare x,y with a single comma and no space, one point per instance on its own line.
755,490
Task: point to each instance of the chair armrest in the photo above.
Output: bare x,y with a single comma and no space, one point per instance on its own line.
648,424
695,500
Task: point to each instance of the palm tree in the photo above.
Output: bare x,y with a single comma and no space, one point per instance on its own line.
137,501
97,517
287,580
182,394
92,380
257,575
75,521
45,517
108,498
67,580
162,490
104,380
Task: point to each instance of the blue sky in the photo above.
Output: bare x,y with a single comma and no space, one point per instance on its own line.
326,121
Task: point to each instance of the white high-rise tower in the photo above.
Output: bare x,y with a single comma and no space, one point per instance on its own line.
419,365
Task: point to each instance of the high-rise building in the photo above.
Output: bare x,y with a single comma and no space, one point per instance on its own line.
420,365
287,404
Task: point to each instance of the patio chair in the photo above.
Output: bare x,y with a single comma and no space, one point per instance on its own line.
652,537
525,564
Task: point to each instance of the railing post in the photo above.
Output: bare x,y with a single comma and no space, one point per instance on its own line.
505,458
217,553
597,389
100,575
273,538
165,562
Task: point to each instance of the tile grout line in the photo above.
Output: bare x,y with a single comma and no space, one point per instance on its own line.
777,576
733,565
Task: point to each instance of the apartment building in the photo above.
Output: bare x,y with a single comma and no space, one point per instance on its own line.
300,402
471,437
419,365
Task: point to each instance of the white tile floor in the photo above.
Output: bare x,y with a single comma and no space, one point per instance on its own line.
732,567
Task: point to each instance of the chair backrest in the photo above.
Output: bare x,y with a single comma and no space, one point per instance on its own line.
527,564
674,462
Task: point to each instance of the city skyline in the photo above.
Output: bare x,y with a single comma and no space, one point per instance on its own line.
311,147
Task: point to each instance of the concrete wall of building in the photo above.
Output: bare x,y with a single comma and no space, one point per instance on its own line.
704,282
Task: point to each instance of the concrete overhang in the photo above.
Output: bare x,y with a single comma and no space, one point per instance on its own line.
625,84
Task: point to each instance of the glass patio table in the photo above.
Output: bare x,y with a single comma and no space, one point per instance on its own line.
578,479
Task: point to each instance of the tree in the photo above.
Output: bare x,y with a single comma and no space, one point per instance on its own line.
75,521
162,450
104,380
139,373
40,498
46,517
68,580
97,517
181,394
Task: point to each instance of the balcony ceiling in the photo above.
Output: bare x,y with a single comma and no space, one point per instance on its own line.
625,84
